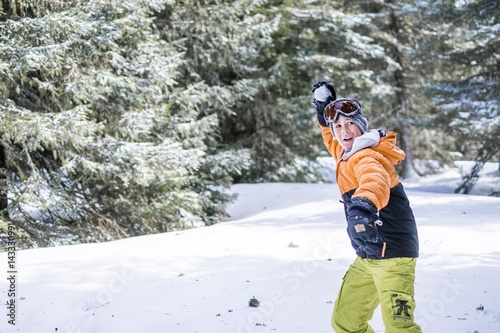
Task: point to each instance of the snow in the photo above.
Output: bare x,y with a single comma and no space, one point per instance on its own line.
286,246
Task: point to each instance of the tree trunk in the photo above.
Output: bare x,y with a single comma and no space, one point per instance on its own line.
470,179
405,169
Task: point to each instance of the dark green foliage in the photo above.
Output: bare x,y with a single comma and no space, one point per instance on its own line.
92,147
229,46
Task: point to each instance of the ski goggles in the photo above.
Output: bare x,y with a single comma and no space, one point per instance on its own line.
344,106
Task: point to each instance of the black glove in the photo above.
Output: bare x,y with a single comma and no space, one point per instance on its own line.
362,230
324,93
362,222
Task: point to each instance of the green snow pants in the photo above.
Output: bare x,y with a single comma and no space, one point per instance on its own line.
370,282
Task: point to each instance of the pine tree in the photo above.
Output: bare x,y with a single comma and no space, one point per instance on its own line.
467,90
394,92
231,72
93,147
356,46
385,54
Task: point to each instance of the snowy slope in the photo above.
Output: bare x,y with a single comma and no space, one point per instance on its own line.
286,246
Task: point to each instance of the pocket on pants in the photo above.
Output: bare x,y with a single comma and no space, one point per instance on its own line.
339,294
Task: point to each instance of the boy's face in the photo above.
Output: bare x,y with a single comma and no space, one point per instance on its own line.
345,131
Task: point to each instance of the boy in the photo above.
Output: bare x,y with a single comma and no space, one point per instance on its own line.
380,221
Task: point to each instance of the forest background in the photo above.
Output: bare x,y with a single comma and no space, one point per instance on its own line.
132,117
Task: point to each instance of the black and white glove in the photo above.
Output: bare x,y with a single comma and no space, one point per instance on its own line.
362,222
324,93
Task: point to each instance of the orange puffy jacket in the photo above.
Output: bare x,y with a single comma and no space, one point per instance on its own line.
370,174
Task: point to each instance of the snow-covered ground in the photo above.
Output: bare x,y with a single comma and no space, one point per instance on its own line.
285,246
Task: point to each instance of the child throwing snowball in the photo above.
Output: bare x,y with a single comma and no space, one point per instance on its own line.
380,221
